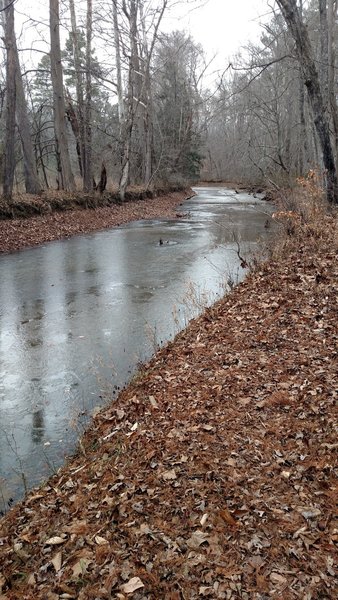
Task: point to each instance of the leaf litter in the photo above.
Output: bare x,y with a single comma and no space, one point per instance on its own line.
19,233
226,488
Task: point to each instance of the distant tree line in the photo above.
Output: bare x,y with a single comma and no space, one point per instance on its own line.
117,97
274,115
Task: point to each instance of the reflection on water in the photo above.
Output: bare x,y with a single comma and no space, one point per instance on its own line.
38,426
77,316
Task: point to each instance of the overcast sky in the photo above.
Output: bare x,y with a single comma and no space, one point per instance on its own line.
223,26
220,26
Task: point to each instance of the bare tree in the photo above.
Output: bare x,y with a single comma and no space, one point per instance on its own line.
32,183
307,63
11,66
88,166
66,178
77,117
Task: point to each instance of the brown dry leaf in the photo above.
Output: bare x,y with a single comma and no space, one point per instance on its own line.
55,541
80,567
57,561
132,585
278,579
227,517
20,552
197,539
205,590
31,579
203,519
78,527
169,475
153,402
100,540
262,583
34,497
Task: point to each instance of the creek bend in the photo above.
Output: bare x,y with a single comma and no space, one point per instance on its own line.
77,317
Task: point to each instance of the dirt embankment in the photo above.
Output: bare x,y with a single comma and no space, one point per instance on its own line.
55,216
213,474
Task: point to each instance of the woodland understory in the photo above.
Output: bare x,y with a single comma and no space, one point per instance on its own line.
214,472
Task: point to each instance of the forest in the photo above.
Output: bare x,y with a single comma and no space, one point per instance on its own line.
115,98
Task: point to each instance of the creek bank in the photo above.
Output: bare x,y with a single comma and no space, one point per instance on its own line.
63,215
270,194
212,475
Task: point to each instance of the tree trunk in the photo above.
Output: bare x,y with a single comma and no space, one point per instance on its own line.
133,98
332,36
303,145
9,142
310,74
88,167
118,64
74,123
66,176
80,139
324,53
32,183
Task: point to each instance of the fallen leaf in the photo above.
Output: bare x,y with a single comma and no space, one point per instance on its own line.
153,402
311,513
100,540
55,541
80,567
277,579
197,539
132,585
227,517
204,519
31,579
57,561
169,475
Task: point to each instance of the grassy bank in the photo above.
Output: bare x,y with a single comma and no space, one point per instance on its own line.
212,475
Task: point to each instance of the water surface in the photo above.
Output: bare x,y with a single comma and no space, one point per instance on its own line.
77,316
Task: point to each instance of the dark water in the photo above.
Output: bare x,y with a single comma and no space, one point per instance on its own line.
77,316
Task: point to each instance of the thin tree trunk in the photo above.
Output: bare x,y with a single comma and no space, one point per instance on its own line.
303,146
121,104
118,64
133,99
80,140
88,170
332,35
136,89
147,108
32,183
66,176
324,53
11,66
74,123
308,67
